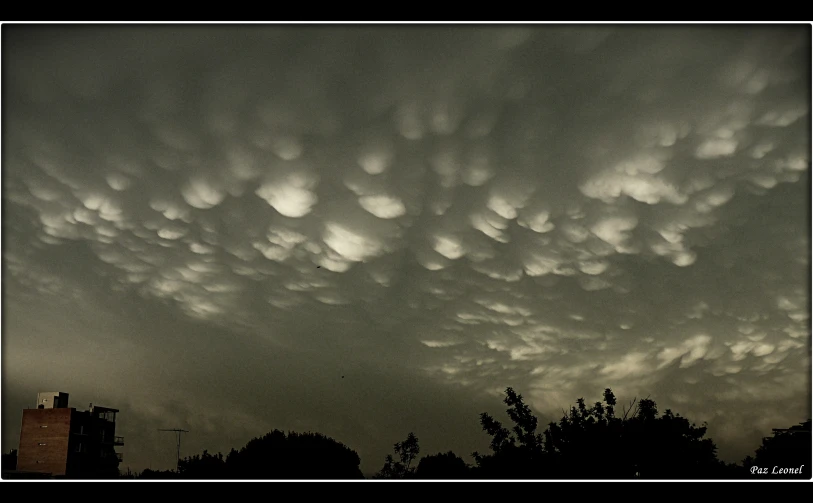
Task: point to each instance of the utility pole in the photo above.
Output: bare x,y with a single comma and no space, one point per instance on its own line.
178,432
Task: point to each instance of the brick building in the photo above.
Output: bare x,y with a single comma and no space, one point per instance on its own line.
65,442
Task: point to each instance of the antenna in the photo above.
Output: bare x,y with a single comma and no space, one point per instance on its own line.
178,432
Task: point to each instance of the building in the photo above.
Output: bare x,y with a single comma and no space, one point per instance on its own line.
61,441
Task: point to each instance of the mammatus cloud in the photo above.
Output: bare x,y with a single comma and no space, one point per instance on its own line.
290,196
558,209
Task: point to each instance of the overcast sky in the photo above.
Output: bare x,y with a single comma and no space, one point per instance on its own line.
208,227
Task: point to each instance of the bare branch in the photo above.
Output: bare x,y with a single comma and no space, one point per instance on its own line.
630,409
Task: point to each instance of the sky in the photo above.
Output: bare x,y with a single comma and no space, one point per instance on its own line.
364,231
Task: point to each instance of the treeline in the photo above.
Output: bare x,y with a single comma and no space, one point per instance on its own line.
273,456
599,441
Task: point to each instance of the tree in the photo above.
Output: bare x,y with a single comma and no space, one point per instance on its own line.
593,442
205,466
295,456
407,451
517,455
644,444
272,456
158,474
442,466
787,448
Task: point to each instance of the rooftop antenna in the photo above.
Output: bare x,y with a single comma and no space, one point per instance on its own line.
178,432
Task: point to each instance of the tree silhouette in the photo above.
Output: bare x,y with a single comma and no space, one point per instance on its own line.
605,440
407,451
443,466
787,448
592,442
517,455
158,474
273,456
297,456
204,466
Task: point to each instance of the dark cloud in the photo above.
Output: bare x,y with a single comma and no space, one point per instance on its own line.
209,227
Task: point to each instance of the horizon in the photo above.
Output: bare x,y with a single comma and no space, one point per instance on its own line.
365,231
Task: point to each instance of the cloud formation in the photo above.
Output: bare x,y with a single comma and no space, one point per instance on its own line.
449,211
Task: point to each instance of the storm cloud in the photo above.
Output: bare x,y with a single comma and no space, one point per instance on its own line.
207,227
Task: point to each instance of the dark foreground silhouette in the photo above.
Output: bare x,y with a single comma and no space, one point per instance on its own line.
597,442
273,456
601,441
